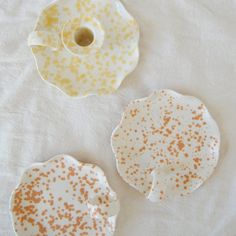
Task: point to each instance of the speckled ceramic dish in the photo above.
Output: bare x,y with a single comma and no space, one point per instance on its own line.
166,145
85,47
64,197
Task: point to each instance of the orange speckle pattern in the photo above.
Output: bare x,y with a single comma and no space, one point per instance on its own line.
63,197
166,144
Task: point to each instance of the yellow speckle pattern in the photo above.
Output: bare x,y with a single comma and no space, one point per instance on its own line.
98,68
64,197
166,145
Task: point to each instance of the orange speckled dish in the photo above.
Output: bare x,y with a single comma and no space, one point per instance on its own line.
64,197
166,145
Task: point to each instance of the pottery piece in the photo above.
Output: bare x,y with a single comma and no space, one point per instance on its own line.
85,47
64,197
166,145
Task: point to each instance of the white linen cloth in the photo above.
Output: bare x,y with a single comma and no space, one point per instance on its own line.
186,45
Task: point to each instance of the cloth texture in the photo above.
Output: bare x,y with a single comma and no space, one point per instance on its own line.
186,45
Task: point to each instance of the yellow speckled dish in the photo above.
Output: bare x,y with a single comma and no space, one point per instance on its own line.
85,47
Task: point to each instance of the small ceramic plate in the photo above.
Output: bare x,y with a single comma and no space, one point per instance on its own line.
64,197
166,145
85,47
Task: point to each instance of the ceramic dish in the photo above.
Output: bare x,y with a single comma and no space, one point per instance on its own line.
64,197
166,145
85,47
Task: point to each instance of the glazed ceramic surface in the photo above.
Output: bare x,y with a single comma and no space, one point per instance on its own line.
64,197
85,47
166,145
